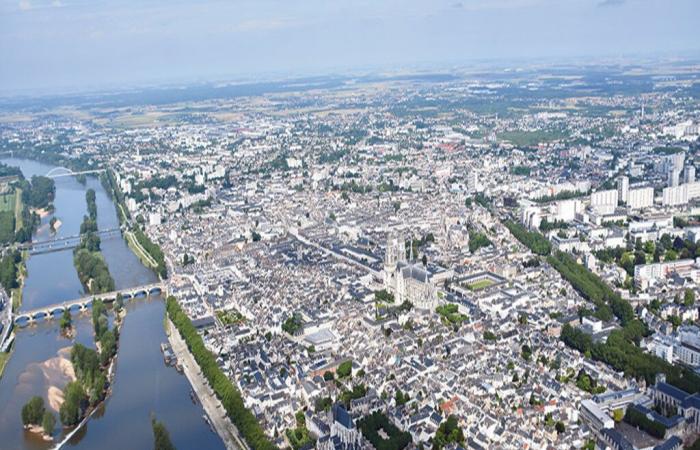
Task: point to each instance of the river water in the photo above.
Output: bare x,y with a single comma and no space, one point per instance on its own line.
143,385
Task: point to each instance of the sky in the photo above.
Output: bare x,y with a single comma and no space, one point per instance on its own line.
53,46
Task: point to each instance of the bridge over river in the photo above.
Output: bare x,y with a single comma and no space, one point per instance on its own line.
63,243
55,311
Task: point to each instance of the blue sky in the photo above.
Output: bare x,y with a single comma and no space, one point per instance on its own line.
53,45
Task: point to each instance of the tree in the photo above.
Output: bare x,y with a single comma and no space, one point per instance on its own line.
559,426
71,408
401,398
48,423
161,437
229,395
33,411
344,369
108,347
66,320
447,433
689,297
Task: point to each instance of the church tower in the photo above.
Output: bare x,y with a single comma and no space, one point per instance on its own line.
390,261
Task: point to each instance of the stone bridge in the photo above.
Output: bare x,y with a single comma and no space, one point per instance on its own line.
55,311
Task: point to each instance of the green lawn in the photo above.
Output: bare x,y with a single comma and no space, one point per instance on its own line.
530,138
481,284
7,202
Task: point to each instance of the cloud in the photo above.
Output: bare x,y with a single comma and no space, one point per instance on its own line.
606,3
24,5
458,5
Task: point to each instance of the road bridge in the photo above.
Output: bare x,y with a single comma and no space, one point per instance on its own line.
58,172
55,311
64,242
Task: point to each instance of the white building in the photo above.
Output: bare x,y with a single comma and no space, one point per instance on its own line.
640,198
689,174
604,201
673,196
623,187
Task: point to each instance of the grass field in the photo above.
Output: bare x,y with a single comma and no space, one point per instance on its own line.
481,284
530,138
139,251
7,202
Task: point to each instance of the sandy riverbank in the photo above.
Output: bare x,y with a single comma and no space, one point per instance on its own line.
58,371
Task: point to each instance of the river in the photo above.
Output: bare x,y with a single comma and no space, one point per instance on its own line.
143,384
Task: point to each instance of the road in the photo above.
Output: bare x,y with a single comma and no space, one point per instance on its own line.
213,407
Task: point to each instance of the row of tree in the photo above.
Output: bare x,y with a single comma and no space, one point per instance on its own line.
154,250
230,397
592,288
621,352
531,239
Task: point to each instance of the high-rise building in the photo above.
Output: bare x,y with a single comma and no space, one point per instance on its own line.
674,177
675,161
673,196
604,198
640,198
472,181
689,174
623,187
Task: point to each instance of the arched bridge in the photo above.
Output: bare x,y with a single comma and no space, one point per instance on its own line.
81,304
57,172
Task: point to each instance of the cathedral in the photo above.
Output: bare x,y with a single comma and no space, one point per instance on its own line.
408,281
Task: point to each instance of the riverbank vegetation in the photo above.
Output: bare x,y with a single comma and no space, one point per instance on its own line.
93,271
89,263
229,395
161,437
4,357
91,369
109,183
17,221
153,250
39,192
9,270
37,418
91,204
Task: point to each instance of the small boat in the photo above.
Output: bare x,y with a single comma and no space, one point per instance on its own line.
208,422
